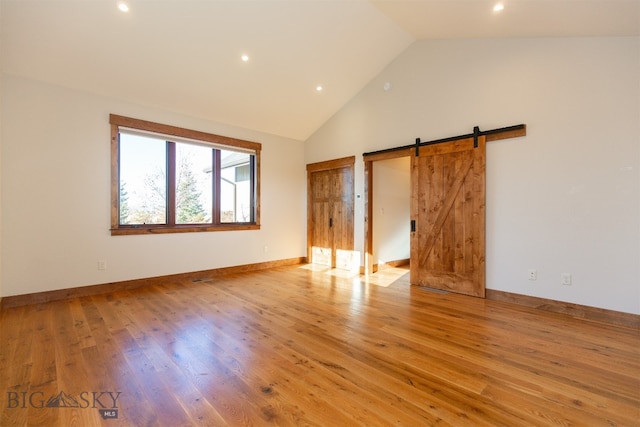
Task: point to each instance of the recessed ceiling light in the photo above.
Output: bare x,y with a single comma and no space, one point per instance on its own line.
244,58
123,7
498,7
319,88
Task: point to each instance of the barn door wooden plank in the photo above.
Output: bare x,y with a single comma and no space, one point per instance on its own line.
442,210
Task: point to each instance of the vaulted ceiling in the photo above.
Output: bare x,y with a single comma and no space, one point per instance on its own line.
185,55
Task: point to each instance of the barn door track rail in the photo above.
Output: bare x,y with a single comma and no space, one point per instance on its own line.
491,135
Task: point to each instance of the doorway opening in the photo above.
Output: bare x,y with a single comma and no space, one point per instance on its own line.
391,197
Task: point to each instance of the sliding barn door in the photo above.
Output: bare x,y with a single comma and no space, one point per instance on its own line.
448,217
331,222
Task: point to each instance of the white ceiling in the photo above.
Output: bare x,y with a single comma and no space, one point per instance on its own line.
184,55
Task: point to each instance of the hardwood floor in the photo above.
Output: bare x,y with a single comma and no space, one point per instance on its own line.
304,345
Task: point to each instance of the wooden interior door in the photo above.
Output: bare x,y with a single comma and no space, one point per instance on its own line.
448,216
341,220
331,215
321,202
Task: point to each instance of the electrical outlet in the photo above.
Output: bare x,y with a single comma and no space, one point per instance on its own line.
102,265
533,274
565,279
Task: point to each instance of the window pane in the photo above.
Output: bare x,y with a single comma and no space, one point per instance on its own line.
235,187
193,184
143,188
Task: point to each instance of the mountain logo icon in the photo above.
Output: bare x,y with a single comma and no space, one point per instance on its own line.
62,400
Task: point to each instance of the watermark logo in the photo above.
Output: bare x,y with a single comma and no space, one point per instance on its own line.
109,414
105,401
62,400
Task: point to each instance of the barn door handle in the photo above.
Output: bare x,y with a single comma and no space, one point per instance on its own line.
330,222
413,225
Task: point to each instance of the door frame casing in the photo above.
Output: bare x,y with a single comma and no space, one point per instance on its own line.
368,201
344,162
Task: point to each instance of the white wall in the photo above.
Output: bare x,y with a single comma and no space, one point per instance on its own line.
563,199
392,210
56,196
1,63
1,286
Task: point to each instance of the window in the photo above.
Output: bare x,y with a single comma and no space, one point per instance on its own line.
167,179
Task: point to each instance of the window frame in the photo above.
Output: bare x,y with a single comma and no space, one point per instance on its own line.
216,141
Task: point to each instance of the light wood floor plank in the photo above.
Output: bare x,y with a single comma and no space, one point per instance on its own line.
304,345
